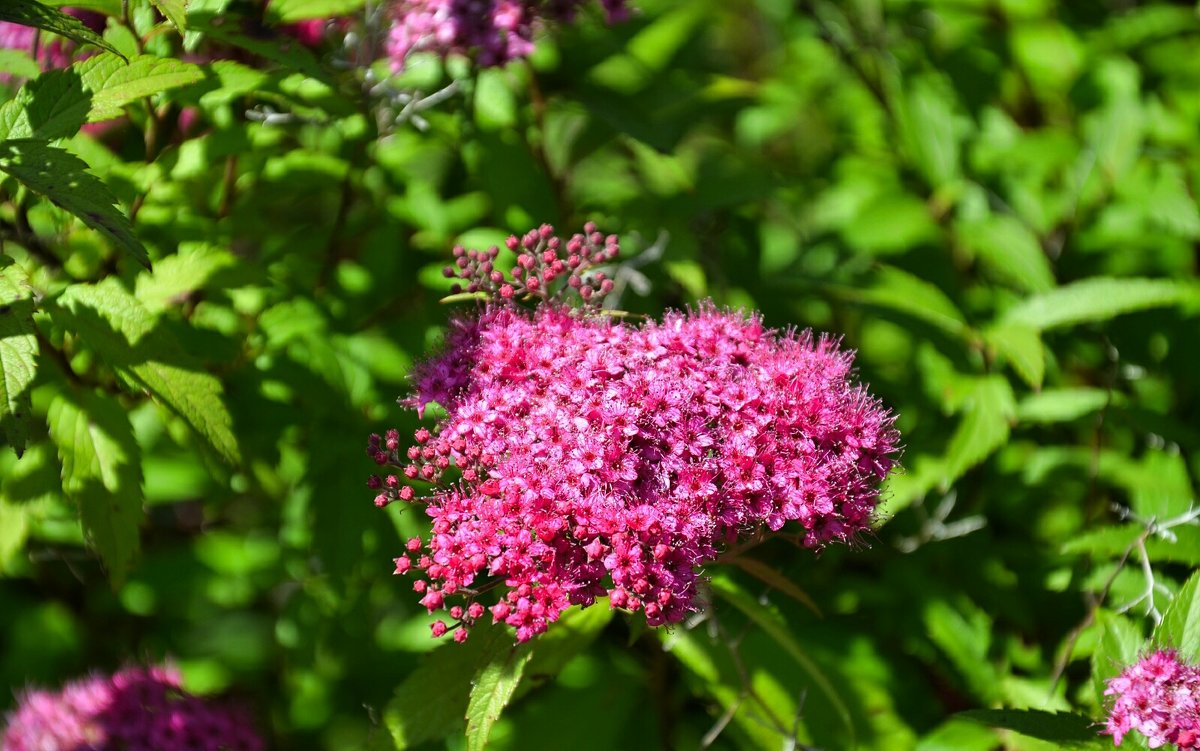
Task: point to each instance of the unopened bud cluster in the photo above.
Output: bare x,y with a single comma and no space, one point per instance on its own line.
547,268
582,457
1159,697
136,709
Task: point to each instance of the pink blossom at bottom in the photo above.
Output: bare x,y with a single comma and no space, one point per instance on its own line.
135,709
1159,697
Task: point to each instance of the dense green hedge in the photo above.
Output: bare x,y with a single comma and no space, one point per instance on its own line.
991,200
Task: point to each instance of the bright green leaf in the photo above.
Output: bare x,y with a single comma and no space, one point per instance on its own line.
1180,627
175,12
1009,250
1099,299
1061,405
18,356
1022,346
491,691
290,11
984,426
101,473
114,84
109,320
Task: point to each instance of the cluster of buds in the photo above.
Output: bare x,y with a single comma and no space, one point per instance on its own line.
547,268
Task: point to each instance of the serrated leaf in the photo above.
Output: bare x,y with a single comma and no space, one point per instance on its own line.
109,320
63,178
491,691
18,356
1099,299
431,703
53,105
290,11
1009,250
179,274
1055,727
174,11
772,624
31,13
1061,405
984,427
113,83
1180,627
1121,642
1022,347
101,473
893,289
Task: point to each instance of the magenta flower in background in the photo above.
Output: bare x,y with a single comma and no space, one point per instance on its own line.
492,31
135,709
594,457
1159,697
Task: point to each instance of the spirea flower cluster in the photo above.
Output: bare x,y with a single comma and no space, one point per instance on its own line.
582,457
136,709
1159,697
493,32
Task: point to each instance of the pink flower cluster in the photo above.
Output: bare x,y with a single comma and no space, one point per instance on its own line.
1158,696
136,709
492,31
581,457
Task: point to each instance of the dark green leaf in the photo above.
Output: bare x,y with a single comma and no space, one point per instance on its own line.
63,178
984,426
32,13
1056,727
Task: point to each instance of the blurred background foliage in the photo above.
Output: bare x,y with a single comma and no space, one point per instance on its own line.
993,201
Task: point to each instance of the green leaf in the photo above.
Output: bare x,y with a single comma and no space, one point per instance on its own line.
1009,250
900,291
491,691
109,320
53,105
180,274
1022,347
1162,489
31,13
892,223
175,11
984,427
1061,405
1180,627
1099,299
432,701
965,639
63,178
286,51
1121,642
18,356
14,529
1055,727
290,11
771,622
572,633
928,128
114,84
101,473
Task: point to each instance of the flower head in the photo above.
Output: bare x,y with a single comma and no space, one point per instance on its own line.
136,708
492,31
1159,697
581,457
